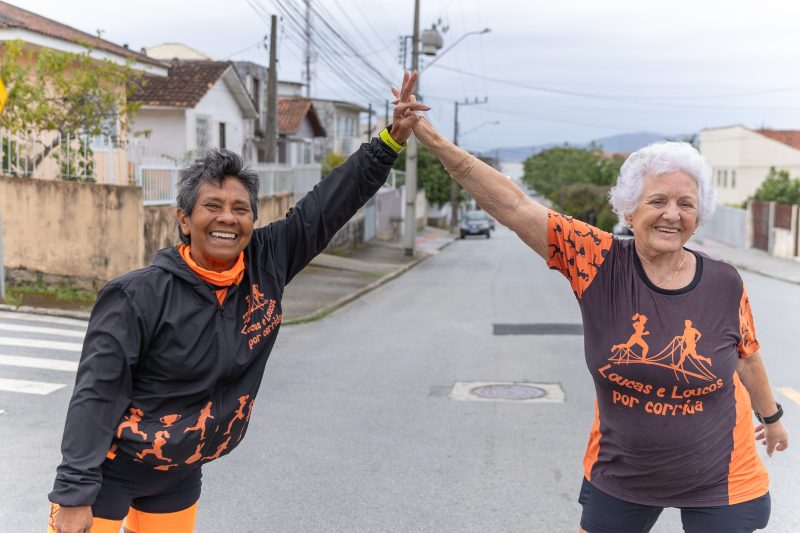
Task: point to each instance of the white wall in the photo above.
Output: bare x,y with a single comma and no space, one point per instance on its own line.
218,105
167,130
739,153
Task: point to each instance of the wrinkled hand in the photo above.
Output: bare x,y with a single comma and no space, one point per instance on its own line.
74,519
406,107
773,436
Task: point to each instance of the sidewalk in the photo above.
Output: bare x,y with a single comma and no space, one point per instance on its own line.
329,281
750,259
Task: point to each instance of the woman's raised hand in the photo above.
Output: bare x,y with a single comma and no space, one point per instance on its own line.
406,106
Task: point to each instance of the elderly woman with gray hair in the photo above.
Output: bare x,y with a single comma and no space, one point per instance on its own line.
174,353
669,341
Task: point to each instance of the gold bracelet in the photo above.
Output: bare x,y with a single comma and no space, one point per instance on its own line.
467,170
455,169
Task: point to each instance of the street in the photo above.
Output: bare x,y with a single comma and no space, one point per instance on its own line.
355,428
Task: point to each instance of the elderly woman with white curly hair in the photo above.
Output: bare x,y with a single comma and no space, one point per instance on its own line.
669,341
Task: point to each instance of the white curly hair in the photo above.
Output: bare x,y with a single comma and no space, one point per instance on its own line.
657,159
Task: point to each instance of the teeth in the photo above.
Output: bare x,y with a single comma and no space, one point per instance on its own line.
223,235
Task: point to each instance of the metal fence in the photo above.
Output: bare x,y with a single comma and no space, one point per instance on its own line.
277,179
52,154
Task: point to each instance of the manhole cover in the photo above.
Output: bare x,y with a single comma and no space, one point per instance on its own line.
508,392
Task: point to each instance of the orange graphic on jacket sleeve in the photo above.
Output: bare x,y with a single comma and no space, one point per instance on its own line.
577,249
635,339
239,413
205,415
246,419
219,451
196,456
132,422
747,329
158,443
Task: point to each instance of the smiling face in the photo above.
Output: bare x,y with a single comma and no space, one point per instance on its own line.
220,225
666,215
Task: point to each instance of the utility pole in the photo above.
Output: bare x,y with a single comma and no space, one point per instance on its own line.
453,184
308,48
369,122
272,94
411,154
386,114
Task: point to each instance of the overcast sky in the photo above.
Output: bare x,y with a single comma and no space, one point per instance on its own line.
568,71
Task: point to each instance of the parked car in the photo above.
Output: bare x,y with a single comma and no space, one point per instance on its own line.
475,223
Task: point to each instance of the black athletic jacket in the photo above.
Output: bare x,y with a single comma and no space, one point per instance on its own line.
168,376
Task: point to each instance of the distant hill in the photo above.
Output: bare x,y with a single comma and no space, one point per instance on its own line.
625,142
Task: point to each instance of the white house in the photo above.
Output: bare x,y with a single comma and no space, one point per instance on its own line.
298,127
341,122
199,105
741,158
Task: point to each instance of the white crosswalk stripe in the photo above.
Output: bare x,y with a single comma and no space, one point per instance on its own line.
38,362
29,387
39,343
52,347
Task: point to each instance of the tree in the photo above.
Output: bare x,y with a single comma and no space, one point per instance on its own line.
576,180
74,94
779,187
330,161
431,176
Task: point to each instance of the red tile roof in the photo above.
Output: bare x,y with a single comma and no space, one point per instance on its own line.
14,17
185,85
292,111
787,137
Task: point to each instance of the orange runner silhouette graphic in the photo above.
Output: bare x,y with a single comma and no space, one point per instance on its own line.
196,456
679,351
132,423
219,451
636,339
246,419
205,414
239,413
158,443
255,301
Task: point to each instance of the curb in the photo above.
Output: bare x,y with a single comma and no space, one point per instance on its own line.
61,313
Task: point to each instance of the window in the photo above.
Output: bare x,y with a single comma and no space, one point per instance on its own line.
306,153
733,179
724,178
222,135
256,94
201,132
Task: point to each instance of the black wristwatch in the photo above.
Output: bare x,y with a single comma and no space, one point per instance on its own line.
770,419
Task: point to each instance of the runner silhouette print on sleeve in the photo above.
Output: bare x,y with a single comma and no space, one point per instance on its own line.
131,423
205,414
577,250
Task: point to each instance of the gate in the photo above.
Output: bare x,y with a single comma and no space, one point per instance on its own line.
761,225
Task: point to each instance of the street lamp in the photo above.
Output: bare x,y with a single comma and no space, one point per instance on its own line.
410,232
443,52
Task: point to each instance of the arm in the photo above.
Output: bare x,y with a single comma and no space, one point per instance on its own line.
103,390
753,374
494,192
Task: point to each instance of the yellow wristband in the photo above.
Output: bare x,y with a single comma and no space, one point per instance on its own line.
391,143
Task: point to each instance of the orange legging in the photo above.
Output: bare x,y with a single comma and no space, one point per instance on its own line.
141,522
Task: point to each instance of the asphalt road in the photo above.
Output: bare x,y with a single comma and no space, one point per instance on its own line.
354,429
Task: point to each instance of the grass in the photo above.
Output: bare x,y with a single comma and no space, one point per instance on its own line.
39,293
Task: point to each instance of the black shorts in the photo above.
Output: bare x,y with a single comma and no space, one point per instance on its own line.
129,484
603,513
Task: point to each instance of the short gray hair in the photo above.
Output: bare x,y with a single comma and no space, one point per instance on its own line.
657,159
214,166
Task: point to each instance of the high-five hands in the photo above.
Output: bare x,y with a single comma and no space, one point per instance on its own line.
405,111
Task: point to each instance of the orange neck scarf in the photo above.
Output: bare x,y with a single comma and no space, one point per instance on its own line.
219,279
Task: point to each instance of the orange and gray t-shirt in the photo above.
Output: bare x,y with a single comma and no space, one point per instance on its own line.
673,424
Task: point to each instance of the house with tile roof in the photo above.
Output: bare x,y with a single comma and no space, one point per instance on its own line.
198,105
741,158
39,32
298,126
